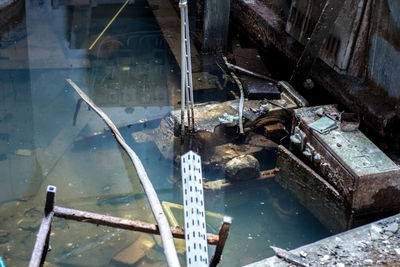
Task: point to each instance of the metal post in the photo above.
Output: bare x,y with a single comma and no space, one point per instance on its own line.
50,199
223,236
189,68
43,237
183,71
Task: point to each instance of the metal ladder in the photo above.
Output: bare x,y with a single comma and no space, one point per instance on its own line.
187,100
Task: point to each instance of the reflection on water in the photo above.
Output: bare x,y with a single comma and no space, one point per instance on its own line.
127,74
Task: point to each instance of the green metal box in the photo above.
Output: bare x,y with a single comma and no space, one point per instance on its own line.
366,178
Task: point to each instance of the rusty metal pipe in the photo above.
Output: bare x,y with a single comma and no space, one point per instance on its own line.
223,236
121,223
43,237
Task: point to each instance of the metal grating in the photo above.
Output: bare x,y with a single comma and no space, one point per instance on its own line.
194,214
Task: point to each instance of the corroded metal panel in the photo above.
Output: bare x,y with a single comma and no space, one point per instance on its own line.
384,51
312,191
338,48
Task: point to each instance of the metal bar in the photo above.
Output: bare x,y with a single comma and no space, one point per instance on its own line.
223,236
241,101
183,74
186,70
189,65
43,237
165,231
121,223
234,67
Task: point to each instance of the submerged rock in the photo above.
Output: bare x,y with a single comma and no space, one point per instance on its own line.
226,152
244,167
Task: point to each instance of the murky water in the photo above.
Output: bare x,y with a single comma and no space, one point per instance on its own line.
46,137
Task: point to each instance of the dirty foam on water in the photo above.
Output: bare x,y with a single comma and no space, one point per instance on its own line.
126,75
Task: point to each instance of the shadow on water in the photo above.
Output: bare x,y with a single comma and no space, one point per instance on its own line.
128,75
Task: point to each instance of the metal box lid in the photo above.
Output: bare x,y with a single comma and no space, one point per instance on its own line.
355,150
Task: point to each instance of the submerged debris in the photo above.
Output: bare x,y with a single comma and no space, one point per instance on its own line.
242,167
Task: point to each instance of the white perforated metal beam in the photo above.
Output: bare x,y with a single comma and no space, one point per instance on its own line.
194,212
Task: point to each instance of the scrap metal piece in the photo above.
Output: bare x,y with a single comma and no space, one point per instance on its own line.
194,213
349,122
323,125
290,257
299,99
259,89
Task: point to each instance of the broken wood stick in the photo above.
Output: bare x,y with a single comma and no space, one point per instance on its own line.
290,257
165,231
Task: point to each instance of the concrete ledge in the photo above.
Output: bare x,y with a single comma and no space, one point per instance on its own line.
374,244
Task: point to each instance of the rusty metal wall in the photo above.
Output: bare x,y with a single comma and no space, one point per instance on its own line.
338,48
364,42
384,51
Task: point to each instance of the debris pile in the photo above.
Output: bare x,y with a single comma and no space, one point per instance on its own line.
375,244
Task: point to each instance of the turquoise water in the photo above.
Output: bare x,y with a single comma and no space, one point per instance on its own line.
47,138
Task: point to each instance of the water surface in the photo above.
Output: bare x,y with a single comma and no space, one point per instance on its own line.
46,138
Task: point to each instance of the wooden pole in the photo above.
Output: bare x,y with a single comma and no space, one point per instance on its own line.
165,231
43,237
223,236
121,223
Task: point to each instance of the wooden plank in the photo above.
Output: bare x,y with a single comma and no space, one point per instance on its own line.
169,22
135,252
